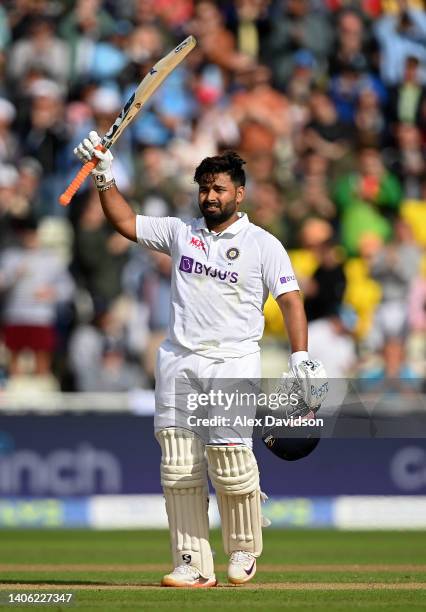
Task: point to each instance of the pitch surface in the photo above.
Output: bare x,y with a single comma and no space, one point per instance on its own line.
299,570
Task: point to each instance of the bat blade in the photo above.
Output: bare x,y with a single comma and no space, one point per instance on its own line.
146,88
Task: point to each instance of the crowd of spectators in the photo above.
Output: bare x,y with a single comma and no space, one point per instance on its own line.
324,99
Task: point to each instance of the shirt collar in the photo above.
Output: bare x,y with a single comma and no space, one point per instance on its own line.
232,230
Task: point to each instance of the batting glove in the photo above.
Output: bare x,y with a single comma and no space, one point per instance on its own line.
295,405
311,378
102,173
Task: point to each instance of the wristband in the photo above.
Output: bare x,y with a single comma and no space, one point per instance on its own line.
298,357
103,178
106,187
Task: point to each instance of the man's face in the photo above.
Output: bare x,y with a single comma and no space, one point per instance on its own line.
218,197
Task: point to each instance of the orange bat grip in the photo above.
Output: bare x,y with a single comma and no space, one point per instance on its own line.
79,179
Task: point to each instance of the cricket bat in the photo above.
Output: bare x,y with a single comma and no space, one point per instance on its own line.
144,91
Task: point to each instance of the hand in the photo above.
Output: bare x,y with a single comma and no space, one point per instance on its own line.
102,173
311,377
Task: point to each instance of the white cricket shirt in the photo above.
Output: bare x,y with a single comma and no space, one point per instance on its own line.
220,281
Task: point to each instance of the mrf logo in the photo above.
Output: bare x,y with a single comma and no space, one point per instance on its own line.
190,266
197,243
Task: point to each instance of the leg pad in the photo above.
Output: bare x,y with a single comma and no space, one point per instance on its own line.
184,481
234,473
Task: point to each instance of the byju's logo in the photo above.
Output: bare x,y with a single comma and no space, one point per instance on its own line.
186,264
189,265
287,279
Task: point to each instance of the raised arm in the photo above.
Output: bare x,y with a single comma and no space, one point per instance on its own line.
115,207
118,212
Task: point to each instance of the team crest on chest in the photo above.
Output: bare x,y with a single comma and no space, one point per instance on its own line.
233,253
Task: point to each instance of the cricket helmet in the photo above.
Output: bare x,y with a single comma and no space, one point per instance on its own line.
290,447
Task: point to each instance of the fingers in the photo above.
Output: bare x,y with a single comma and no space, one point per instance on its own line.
94,138
89,148
99,154
86,149
103,155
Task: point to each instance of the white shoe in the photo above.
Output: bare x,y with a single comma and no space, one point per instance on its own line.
187,576
242,567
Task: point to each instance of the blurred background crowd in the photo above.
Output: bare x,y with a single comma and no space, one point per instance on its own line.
326,102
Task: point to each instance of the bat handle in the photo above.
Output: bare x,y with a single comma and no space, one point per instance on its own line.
79,179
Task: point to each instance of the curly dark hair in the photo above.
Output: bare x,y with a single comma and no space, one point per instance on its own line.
229,162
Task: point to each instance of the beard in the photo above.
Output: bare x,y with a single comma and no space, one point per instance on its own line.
220,213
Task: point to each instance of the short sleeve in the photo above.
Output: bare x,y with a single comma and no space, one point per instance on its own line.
157,233
277,271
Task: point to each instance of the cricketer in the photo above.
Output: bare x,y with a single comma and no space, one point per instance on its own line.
224,267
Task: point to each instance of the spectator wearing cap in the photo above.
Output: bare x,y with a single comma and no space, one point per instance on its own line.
33,280
304,63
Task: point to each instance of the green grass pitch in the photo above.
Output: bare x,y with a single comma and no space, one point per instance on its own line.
299,570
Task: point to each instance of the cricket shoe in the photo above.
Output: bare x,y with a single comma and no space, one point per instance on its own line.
187,576
242,567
